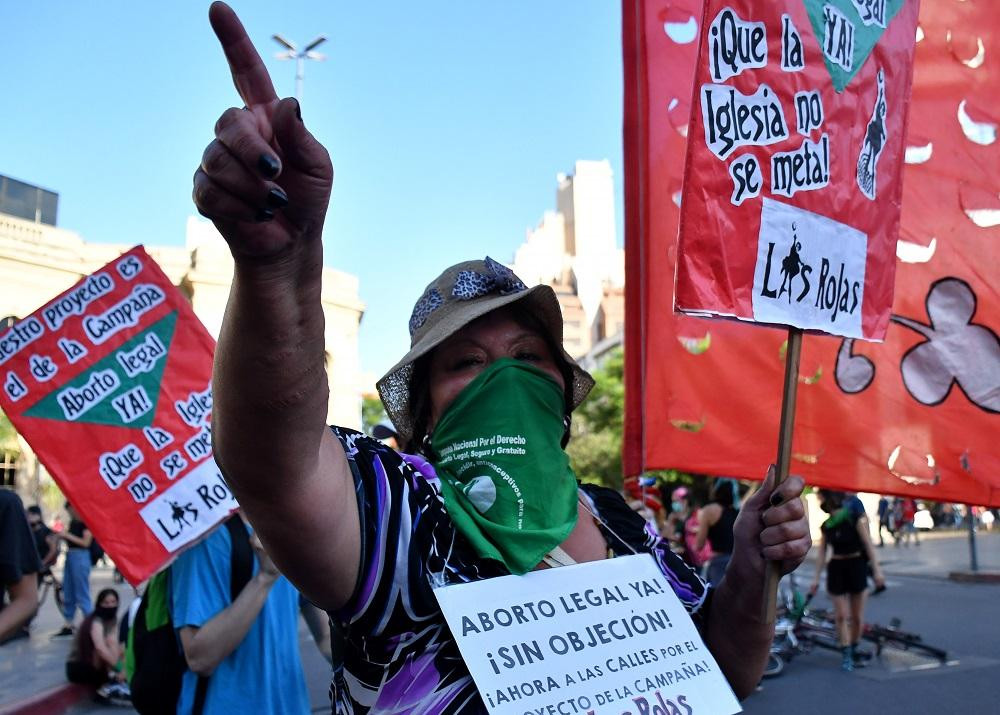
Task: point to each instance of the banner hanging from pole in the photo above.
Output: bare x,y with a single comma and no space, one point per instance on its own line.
110,384
896,417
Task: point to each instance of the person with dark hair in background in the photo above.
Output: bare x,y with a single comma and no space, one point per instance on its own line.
846,534
386,433
76,570
18,565
95,657
715,526
46,541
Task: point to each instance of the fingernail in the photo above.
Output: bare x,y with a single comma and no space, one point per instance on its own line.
264,215
298,110
775,499
268,165
276,198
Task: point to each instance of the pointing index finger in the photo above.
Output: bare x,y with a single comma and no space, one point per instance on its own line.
249,74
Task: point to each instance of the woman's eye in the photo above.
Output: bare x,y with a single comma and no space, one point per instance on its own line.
465,362
528,355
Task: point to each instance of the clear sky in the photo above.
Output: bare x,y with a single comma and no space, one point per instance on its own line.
447,122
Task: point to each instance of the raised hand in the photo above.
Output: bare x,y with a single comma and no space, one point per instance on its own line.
265,180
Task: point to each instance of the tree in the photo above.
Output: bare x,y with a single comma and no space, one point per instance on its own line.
595,447
372,412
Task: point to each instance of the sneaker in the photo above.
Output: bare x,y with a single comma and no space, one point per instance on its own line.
119,695
847,661
64,631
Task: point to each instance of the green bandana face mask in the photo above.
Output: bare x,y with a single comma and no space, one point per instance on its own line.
505,479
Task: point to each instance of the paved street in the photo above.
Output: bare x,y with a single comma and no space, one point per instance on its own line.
961,618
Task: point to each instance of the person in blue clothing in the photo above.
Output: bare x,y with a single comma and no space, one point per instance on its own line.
248,647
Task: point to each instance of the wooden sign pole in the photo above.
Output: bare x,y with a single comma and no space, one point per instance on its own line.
787,426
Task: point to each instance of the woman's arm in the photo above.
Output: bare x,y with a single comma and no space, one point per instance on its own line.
109,656
265,182
81,541
820,565
866,542
771,526
708,515
52,541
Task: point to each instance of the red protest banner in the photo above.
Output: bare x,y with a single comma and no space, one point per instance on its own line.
916,415
792,187
110,383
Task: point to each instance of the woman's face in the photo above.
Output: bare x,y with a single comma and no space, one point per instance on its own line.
457,361
109,601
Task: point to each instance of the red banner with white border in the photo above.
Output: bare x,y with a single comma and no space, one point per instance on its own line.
110,384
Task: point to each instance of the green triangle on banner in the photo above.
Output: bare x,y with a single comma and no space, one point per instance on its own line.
121,389
847,32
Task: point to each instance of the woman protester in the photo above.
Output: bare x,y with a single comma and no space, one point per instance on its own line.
382,528
96,655
76,570
715,527
846,535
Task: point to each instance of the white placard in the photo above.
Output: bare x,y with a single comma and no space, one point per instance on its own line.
607,637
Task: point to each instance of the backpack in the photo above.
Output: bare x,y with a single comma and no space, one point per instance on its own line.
96,552
154,661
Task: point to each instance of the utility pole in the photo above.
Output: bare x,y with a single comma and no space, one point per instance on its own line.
292,52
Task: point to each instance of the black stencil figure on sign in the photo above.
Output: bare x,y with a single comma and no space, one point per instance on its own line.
875,136
791,266
955,351
177,513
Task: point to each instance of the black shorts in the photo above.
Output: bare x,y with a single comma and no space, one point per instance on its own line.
846,576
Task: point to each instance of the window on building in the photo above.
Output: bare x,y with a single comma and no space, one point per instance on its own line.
8,469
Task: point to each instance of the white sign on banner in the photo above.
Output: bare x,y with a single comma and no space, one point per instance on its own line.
606,637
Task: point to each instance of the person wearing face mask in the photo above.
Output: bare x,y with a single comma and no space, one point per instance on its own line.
846,535
96,655
485,395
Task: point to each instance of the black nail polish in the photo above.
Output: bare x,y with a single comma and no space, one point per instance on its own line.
276,198
298,110
775,499
264,215
268,165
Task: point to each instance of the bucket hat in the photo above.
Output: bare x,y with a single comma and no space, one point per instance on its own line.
462,293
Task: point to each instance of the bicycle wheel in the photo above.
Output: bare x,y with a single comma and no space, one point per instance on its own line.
775,664
886,638
57,595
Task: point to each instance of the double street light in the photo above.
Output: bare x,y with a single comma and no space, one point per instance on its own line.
292,52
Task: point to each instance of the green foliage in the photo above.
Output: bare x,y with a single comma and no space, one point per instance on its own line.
595,448
8,435
372,413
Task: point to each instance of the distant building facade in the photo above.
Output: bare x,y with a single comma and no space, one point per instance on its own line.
574,249
38,261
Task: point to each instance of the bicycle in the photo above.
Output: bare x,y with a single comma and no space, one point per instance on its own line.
798,629
49,581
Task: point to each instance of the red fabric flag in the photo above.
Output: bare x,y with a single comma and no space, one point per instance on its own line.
110,384
915,415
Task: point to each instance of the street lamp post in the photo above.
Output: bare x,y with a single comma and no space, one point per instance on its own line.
292,52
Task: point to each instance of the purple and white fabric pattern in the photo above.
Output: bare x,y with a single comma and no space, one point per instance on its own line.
399,655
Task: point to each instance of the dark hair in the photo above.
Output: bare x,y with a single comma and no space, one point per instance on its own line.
420,395
107,592
724,492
